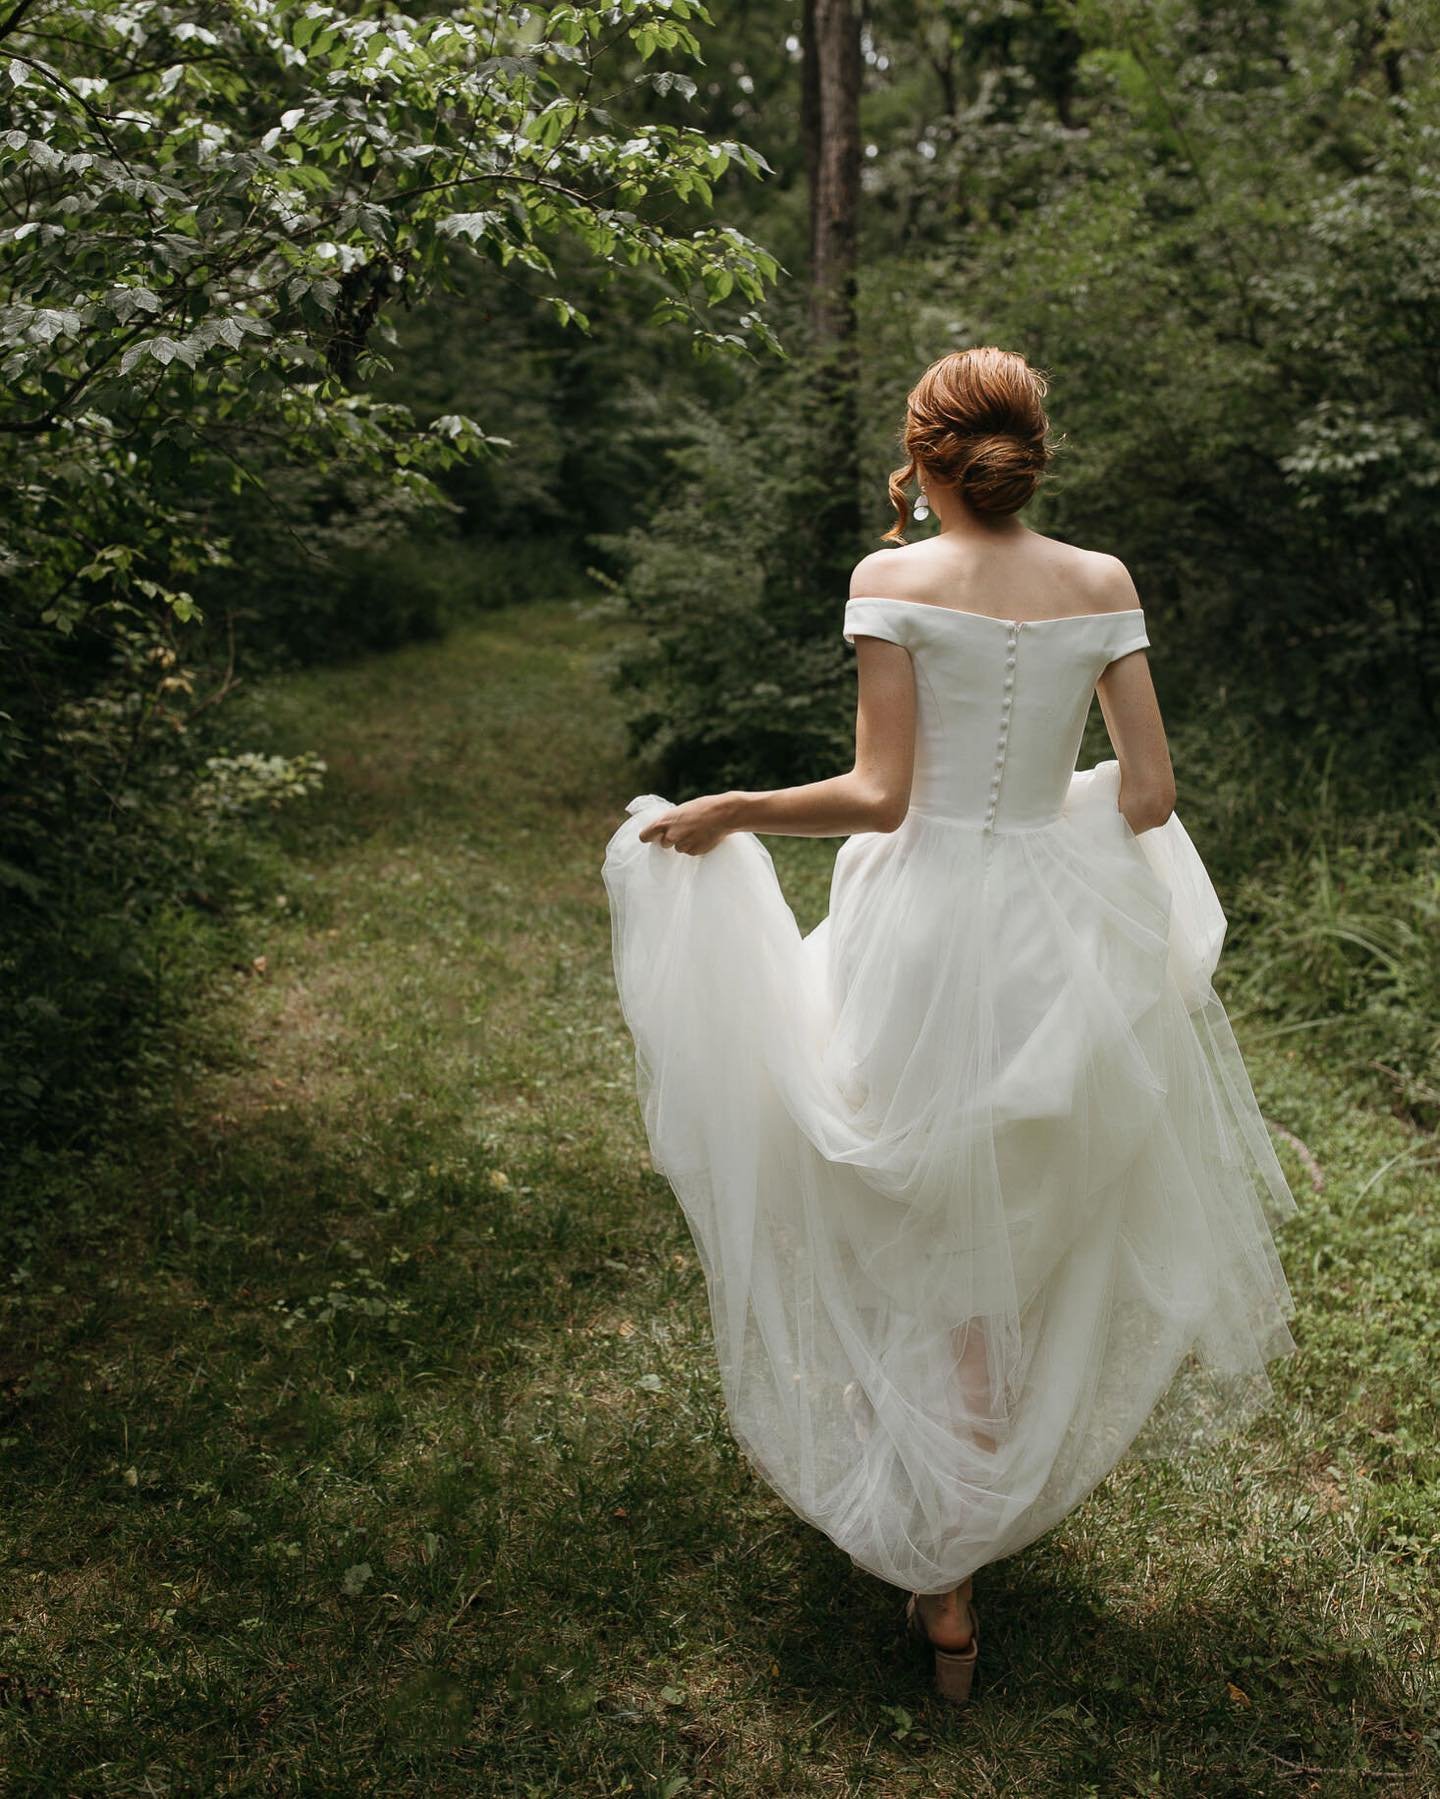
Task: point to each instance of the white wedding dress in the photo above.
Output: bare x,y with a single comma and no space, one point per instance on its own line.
974,1169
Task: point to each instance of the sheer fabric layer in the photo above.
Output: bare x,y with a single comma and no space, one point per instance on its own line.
975,1170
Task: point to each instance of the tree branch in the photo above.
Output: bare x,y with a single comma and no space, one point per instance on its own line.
17,16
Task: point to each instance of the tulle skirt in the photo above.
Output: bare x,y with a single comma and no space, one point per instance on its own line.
974,1169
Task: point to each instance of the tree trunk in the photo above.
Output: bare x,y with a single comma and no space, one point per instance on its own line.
832,155
830,122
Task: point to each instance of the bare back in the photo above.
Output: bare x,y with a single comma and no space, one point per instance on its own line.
1008,573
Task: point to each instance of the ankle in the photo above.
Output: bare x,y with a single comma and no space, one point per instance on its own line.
947,1605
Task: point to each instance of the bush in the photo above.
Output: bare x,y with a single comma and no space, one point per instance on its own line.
741,677
110,936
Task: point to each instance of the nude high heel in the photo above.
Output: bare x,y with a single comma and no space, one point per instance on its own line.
954,1668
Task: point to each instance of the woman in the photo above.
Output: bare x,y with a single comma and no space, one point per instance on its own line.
975,1171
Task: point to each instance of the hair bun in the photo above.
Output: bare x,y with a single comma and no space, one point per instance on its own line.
1000,472
976,421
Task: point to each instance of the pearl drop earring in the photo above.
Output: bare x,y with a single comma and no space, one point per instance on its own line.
922,508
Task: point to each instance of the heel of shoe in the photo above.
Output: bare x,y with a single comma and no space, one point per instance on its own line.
955,1672
954,1668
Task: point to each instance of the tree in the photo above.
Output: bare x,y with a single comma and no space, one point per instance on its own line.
210,217
830,116
211,222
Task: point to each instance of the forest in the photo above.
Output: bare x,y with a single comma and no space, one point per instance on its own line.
427,426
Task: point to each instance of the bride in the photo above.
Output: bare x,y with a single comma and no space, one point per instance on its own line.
974,1169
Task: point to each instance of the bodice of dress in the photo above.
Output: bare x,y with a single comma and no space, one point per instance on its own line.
1000,703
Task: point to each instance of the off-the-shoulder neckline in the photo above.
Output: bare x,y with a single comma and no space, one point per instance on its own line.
1063,618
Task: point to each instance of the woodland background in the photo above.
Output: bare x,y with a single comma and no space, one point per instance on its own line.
424,429
324,326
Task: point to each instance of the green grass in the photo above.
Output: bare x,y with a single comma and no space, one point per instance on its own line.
360,1426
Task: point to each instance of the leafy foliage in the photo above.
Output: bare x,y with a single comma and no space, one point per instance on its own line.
211,218
1217,229
740,676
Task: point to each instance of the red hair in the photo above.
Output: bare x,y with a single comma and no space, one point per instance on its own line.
975,421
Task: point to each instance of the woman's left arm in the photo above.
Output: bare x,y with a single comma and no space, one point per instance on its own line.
873,796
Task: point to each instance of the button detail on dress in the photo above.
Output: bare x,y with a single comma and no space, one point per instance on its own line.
1003,728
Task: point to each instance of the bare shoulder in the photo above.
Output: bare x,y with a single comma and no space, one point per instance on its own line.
1105,581
891,574
1101,582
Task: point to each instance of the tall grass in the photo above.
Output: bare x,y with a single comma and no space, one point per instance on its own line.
1330,877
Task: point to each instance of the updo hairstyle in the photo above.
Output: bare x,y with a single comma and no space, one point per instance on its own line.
975,421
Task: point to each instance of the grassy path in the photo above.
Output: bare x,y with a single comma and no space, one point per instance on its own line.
361,1431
